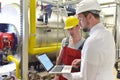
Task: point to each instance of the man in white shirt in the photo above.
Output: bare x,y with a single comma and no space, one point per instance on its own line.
98,53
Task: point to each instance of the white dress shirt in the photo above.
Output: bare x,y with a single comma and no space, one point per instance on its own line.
98,56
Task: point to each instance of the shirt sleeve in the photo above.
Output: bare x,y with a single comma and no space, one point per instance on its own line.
87,74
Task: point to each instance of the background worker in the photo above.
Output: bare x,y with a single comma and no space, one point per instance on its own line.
71,46
98,53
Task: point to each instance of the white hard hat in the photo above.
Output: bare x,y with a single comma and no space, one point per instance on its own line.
87,5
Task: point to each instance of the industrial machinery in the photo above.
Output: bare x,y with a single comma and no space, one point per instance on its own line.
45,23
9,43
47,39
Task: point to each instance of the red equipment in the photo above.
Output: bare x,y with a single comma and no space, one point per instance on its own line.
6,40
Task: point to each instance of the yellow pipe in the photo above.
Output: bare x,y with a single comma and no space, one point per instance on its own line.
12,58
44,50
32,39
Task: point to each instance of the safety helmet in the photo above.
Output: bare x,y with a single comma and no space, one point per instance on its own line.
87,5
71,22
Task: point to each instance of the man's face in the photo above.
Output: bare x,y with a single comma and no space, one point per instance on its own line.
83,21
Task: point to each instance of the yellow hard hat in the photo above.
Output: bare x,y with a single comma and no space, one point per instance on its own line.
71,22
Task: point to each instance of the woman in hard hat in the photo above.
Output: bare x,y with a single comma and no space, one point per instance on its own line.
71,46
98,53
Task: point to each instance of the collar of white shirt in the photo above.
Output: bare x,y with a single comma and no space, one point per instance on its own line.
96,27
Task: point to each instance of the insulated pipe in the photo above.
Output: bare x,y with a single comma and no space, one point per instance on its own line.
12,58
32,37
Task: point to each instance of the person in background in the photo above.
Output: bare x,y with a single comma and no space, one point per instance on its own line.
98,53
71,46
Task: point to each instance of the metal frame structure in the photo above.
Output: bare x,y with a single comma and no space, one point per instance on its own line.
117,28
24,36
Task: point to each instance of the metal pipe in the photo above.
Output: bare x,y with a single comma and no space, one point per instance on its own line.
32,37
109,3
16,61
24,40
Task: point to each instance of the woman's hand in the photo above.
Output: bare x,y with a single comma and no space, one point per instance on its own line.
56,77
